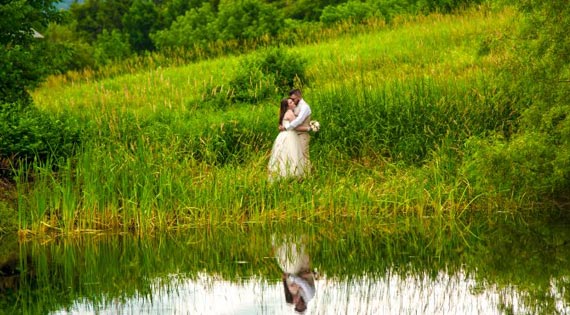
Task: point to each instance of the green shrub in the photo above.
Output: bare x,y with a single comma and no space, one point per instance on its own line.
18,72
111,46
534,163
288,70
355,11
251,84
259,77
27,133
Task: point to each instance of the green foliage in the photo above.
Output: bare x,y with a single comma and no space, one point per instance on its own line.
259,77
404,120
18,72
355,11
9,222
251,84
229,142
288,69
201,26
444,6
308,10
19,18
194,29
544,54
528,166
94,16
111,47
532,163
139,22
64,51
27,133
22,66
174,9
208,28
247,19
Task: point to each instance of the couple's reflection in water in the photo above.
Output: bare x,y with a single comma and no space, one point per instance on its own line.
297,276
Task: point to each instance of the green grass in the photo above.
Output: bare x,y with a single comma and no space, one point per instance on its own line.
396,105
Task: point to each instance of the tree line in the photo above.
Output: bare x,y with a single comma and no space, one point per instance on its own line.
94,33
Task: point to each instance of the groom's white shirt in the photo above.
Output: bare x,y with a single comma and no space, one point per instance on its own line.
304,112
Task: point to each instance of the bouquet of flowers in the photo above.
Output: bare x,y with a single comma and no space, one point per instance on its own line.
315,125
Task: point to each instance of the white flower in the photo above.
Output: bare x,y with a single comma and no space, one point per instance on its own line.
315,125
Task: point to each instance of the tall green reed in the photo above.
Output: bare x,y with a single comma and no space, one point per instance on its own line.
406,119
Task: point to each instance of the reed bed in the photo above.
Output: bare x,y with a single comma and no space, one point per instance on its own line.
396,105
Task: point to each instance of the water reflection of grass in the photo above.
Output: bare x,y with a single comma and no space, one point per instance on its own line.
104,269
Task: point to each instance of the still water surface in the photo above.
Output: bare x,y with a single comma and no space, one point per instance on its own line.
249,271
392,294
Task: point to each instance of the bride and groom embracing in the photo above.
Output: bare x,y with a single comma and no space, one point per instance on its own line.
290,152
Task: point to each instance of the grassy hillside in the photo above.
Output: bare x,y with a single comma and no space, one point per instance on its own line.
396,104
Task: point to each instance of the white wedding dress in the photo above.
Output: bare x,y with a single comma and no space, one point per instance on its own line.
287,158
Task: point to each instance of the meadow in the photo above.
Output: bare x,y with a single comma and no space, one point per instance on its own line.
398,105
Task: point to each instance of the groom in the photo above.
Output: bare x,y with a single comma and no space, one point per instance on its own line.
303,113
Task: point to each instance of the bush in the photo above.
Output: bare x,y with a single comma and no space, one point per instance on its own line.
288,69
18,72
260,77
26,133
355,11
534,163
110,47
251,84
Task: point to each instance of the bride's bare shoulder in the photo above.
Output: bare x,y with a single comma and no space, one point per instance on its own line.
289,115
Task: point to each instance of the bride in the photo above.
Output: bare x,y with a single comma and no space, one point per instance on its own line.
287,159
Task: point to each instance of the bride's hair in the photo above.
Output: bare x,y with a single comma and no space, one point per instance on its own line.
283,109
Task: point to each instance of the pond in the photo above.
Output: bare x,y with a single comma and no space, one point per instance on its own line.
492,269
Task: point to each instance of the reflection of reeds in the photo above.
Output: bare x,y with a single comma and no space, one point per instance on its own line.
395,106
403,264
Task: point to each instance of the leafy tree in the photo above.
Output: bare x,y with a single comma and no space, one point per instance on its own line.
445,6
22,66
65,50
139,22
27,133
545,48
110,47
173,9
94,16
195,28
308,10
287,69
247,19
